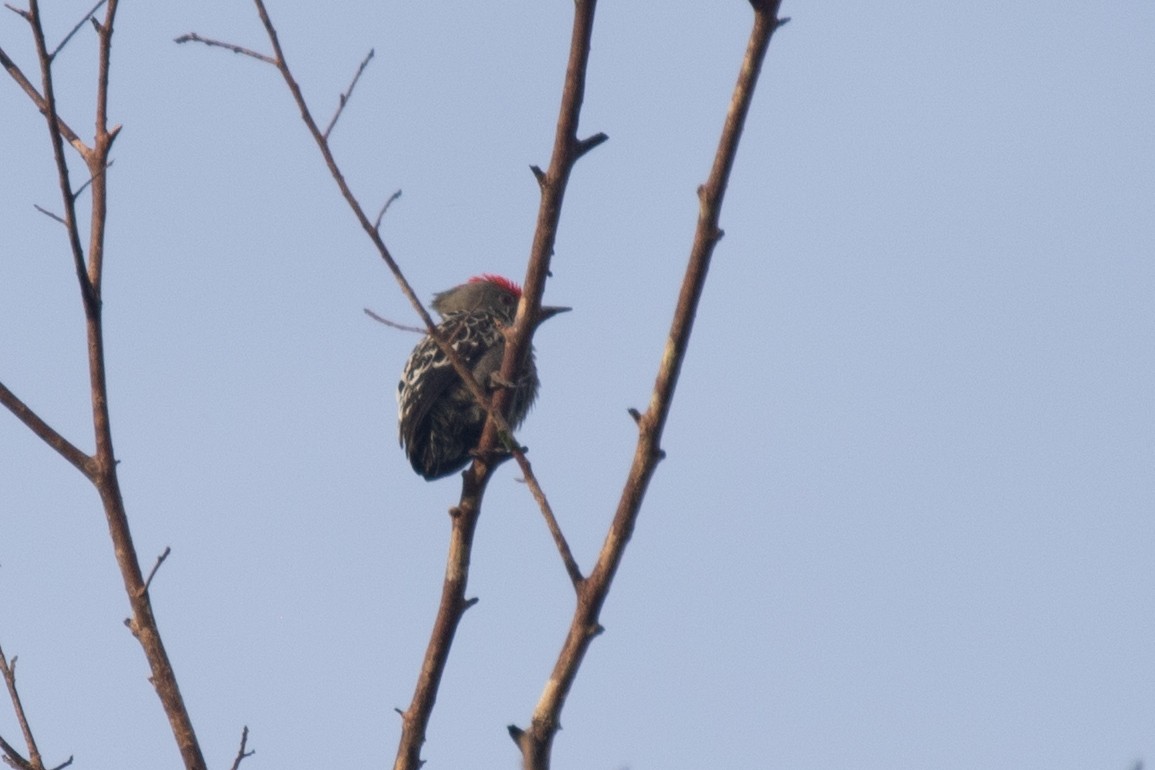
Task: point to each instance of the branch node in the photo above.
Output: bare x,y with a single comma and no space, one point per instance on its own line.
636,415
587,144
469,603
515,732
539,175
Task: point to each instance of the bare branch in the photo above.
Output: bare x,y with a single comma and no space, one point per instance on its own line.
101,467
29,89
393,324
344,99
88,16
63,446
241,753
453,602
193,37
18,11
381,213
34,761
536,741
152,573
48,108
92,179
416,718
587,144
571,566
49,214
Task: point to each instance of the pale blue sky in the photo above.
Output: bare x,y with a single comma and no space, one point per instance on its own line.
906,520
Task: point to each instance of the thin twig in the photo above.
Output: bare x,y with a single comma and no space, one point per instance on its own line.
91,179
75,29
571,565
18,11
393,324
9,673
241,753
536,742
344,99
193,37
49,214
381,213
152,573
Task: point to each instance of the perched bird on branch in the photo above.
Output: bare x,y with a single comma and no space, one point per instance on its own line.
440,422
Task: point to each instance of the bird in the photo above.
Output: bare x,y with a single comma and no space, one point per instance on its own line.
439,420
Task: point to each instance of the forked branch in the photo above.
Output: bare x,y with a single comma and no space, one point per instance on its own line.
536,742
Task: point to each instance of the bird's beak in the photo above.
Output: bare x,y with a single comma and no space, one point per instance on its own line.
549,311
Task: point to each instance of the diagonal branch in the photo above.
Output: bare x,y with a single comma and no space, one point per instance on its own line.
344,99
571,567
29,89
60,46
63,446
33,762
536,742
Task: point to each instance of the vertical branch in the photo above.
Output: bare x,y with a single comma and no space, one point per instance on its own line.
101,467
566,151
87,292
536,742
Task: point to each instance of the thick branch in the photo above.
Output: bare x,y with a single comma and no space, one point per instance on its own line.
537,741
566,150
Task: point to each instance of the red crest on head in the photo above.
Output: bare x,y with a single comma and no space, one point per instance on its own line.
500,280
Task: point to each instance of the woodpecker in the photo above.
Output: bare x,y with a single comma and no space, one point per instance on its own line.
439,420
